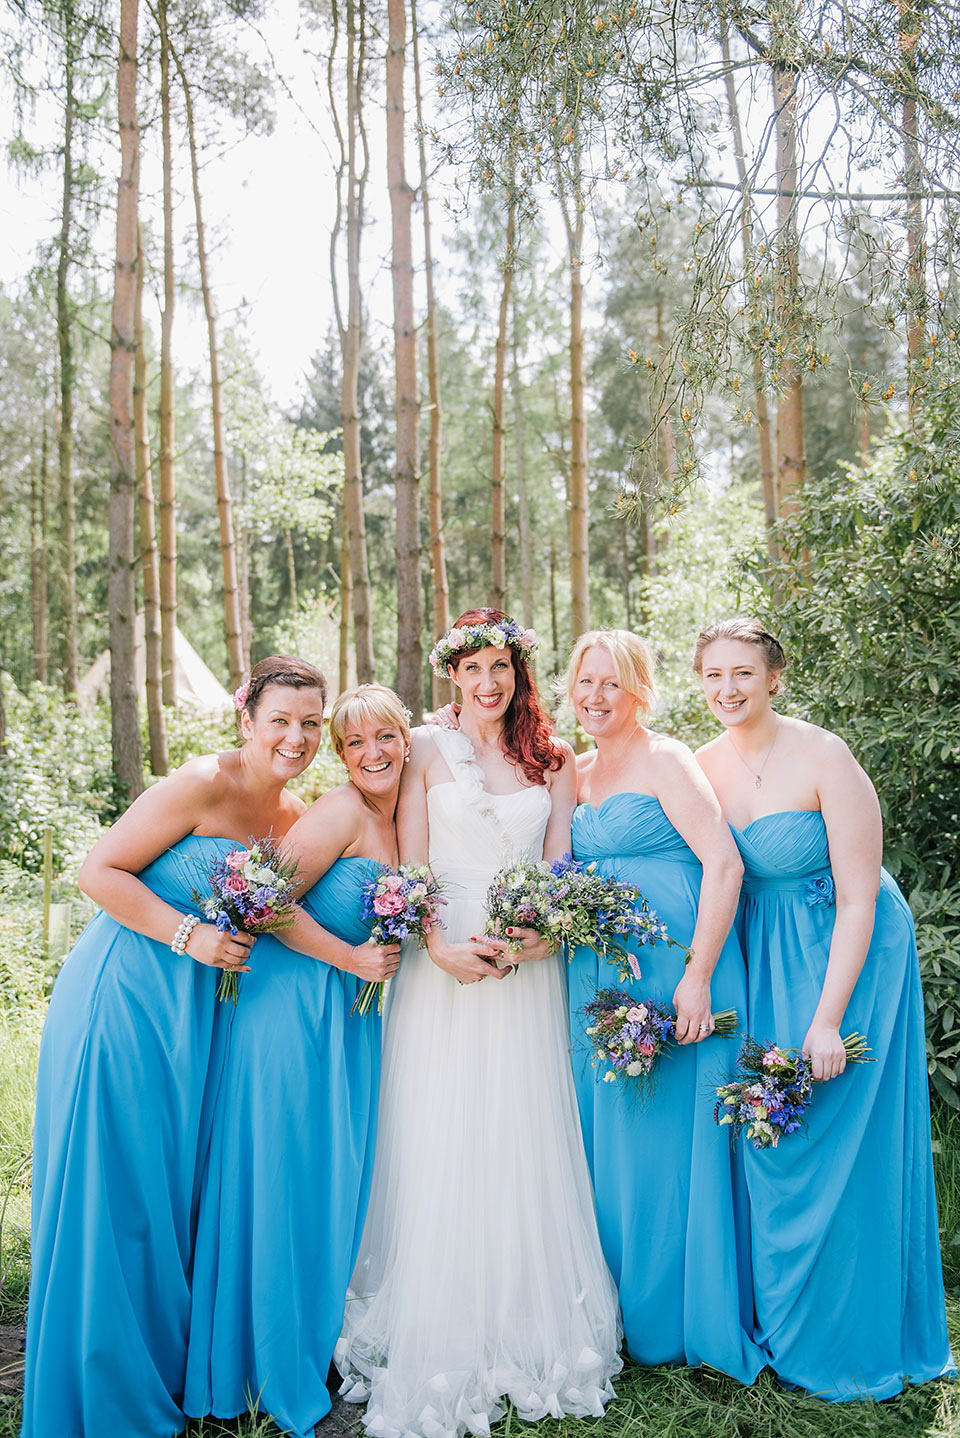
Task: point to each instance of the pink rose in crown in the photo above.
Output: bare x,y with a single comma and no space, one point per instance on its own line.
528,639
236,884
237,859
389,903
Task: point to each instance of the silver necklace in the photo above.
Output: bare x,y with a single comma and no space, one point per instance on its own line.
757,773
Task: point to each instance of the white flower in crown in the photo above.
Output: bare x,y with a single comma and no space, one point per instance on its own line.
498,639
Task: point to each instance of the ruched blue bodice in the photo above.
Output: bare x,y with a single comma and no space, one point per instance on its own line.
849,1294
284,1195
679,1247
127,1055
625,827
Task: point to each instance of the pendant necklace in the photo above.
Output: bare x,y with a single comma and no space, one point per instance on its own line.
757,773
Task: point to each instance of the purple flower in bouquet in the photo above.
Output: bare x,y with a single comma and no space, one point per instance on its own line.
774,1089
572,904
631,1034
400,905
252,891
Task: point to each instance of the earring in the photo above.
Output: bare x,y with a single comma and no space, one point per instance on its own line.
406,757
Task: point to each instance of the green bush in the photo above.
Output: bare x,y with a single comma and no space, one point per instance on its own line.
56,774
870,616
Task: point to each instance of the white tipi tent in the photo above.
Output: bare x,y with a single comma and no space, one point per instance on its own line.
196,685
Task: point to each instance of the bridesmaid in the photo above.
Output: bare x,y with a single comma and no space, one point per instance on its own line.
125,1057
670,1199
284,1197
849,1292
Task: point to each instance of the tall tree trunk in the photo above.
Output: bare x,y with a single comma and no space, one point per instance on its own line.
791,454
168,515
291,573
356,584
409,600
524,530
667,443
38,553
66,503
554,616
572,207
243,569
498,589
124,720
910,25
346,602
442,690
760,406
228,549
156,723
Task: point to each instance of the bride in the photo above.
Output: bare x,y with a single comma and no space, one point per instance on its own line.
480,1276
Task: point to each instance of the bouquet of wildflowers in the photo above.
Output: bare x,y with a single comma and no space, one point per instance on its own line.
630,1035
254,891
770,1098
402,905
573,904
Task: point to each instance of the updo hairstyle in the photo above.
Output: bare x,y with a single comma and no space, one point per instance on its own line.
748,631
281,669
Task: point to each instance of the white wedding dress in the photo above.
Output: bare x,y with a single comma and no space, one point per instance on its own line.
480,1276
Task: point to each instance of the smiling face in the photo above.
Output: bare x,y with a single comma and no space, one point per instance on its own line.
373,751
737,683
486,681
602,705
285,730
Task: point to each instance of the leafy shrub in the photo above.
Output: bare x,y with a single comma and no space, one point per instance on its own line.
937,913
56,774
870,615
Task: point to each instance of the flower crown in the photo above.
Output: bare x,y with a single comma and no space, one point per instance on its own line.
501,633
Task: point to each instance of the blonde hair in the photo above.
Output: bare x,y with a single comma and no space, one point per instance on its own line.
631,659
367,703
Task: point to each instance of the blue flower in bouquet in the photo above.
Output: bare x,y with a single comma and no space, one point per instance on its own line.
400,905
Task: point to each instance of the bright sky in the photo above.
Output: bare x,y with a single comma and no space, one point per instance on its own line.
268,206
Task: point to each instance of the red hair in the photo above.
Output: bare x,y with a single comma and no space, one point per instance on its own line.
527,730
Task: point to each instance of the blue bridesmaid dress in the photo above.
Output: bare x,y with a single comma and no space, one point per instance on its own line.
671,1202
849,1290
127,1051
283,1200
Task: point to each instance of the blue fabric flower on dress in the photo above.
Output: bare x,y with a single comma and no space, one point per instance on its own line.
820,890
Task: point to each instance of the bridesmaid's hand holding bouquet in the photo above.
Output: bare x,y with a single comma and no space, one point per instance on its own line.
254,891
770,1098
403,905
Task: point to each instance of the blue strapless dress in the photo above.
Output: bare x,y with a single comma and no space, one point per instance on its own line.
284,1198
127,1050
671,1202
849,1291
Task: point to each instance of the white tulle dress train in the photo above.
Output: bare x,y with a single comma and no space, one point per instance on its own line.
480,1277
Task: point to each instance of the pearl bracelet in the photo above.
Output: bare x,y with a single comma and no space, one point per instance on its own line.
182,937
